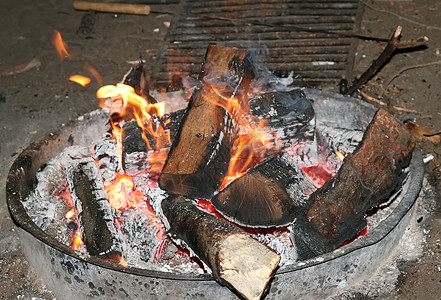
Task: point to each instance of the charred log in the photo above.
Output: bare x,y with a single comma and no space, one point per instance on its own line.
288,113
137,141
266,196
95,219
235,259
134,152
200,154
335,213
136,79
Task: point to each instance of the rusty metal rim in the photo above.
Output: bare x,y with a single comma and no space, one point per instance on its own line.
23,172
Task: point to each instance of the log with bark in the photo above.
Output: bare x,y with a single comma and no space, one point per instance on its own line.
336,212
95,217
235,259
200,154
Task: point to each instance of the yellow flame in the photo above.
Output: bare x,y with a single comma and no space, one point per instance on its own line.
70,214
137,108
340,155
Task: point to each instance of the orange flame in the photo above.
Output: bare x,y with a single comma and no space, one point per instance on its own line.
340,155
81,80
60,46
94,73
121,193
136,107
254,137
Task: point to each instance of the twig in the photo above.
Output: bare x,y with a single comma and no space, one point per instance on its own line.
437,62
432,134
391,46
370,98
400,16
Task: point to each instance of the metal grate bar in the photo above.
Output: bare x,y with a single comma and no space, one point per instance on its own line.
308,37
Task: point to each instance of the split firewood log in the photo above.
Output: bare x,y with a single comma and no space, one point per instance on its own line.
336,212
200,154
234,258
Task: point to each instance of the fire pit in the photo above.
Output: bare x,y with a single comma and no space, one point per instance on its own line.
69,274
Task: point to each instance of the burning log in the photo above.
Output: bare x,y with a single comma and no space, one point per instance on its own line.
335,213
234,258
95,219
200,154
135,139
266,196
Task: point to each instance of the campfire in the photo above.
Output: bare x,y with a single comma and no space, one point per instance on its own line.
245,180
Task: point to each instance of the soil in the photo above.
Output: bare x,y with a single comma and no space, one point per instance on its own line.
34,102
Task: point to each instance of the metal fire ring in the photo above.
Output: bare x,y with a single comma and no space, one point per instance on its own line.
68,274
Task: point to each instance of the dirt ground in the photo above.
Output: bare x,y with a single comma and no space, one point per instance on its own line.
34,102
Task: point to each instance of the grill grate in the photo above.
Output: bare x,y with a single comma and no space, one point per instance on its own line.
309,37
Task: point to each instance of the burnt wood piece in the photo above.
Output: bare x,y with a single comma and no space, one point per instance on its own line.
289,113
136,79
235,259
200,154
266,196
134,148
95,219
335,213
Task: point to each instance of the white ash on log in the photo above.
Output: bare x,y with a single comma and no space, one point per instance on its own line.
235,259
335,213
266,196
107,158
200,154
95,217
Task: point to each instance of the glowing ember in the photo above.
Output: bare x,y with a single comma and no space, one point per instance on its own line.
77,241
60,46
122,195
81,80
70,214
117,259
318,174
